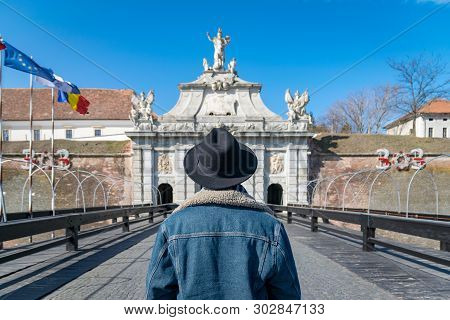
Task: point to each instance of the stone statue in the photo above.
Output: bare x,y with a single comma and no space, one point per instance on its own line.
232,65
205,65
296,104
141,110
134,116
219,49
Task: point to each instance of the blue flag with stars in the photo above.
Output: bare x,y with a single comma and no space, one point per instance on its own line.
18,60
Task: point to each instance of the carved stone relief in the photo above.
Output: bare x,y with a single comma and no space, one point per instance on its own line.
164,164
276,163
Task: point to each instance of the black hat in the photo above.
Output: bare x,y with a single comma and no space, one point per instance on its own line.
220,161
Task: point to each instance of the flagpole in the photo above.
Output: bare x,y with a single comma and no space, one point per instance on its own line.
30,147
2,201
53,154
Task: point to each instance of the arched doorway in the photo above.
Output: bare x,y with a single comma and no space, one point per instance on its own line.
166,192
275,194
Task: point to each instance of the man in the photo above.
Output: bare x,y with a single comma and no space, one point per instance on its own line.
221,243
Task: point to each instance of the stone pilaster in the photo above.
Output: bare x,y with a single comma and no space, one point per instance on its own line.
148,169
302,174
138,190
184,187
258,179
291,172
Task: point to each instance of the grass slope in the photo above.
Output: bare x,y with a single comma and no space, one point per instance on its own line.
366,144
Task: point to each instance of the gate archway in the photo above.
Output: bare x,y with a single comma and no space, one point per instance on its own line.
166,192
275,194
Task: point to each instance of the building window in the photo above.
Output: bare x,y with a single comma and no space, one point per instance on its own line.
430,132
37,135
97,132
5,135
68,133
444,132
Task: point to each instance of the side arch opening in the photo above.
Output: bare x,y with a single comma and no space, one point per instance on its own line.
275,194
166,192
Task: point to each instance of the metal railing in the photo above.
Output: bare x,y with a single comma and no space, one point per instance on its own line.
429,229
71,223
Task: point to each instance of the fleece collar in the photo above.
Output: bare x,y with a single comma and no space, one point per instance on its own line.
224,197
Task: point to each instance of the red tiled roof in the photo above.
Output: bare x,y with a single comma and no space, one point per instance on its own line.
106,104
437,106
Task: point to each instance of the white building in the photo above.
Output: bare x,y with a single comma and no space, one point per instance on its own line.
433,120
108,117
219,98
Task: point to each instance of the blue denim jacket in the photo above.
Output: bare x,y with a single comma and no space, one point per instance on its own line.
222,245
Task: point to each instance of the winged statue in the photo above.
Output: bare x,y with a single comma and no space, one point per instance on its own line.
296,104
141,110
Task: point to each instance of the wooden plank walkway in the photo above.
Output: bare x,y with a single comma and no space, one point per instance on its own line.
113,266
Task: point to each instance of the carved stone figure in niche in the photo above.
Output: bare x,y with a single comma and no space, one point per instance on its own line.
164,165
276,164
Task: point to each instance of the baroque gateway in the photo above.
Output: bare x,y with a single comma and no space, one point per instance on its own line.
219,98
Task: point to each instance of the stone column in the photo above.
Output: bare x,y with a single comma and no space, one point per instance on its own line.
302,176
148,169
258,179
291,171
184,187
137,175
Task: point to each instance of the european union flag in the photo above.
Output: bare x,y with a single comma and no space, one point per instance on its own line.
18,60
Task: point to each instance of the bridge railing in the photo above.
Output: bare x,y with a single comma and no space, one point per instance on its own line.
71,223
430,229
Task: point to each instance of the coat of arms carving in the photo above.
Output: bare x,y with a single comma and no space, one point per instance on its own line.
276,164
164,164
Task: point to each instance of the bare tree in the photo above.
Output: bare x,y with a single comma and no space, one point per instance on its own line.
383,102
364,111
333,120
355,110
421,79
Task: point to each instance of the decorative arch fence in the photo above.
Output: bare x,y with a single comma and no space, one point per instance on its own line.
75,180
351,190
394,188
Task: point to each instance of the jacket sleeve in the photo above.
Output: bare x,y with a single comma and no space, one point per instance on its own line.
284,284
161,278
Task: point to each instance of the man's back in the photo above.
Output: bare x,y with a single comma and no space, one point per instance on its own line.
222,249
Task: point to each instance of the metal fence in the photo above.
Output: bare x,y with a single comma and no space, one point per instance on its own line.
359,189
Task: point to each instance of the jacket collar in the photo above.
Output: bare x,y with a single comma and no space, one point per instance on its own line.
233,198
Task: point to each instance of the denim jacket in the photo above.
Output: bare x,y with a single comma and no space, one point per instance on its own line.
222,245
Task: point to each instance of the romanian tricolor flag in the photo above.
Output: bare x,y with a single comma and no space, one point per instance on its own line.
68,93
78,103
2,45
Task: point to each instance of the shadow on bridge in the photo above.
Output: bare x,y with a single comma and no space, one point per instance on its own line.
110,262
86,258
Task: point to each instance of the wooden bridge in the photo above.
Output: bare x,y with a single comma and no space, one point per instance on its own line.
109,261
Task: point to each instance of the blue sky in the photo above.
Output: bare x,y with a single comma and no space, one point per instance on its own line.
281,44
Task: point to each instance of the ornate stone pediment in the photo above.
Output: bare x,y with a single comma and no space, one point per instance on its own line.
217,96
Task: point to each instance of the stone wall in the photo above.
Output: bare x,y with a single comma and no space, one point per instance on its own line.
384,191
109,165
